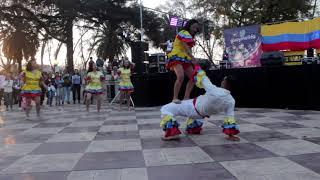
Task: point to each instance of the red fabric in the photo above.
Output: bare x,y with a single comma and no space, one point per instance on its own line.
195,71
172,132
293,46
194,105
194,130
126,90
231,131
31,95
172,64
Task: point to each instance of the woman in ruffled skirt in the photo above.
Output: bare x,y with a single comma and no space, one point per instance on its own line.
31,90
125,85
94,86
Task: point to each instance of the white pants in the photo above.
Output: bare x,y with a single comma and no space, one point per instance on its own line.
185,109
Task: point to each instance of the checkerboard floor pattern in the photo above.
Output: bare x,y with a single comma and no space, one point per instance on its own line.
70,144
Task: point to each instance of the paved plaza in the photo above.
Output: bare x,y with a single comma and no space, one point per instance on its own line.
70,144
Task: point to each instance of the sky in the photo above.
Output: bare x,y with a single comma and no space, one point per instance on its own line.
152,3
62,54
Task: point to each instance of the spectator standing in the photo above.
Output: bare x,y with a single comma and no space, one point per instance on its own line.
59,89
66,87
76,86
8,89
17,84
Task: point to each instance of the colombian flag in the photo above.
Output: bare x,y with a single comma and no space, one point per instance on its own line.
293,36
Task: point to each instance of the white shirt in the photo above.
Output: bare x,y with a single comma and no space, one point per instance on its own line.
51,88
8,84
169,46
215,100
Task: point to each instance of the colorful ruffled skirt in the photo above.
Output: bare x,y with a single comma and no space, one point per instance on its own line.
94,91
31,93
178,58
126,86
230,127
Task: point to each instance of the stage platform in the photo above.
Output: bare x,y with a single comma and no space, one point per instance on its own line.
292,87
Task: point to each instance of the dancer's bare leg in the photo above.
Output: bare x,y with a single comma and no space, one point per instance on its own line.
38,106
190,84
99,99
88,100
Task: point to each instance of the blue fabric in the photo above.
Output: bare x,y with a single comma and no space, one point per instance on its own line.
230,126
195,124
171,124
76,79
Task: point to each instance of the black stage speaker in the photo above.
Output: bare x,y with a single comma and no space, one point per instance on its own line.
310,52
275,58
138,55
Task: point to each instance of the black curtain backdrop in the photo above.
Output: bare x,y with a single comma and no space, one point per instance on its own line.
292,87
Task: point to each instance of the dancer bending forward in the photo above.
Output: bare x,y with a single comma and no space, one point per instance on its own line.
214,101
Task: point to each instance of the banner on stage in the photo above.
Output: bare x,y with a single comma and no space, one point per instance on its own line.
244,46
293,36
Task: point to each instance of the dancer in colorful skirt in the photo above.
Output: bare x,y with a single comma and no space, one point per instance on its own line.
31,90
94,86
215,100
180,59
125,85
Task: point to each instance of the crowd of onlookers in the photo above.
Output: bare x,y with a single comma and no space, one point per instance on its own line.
63,87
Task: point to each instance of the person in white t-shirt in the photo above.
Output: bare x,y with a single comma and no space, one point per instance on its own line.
168,45
8,98
215,100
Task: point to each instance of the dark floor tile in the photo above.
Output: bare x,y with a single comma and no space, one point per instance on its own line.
292,118
281,125
148,126
156,143
301,113
264,136
206,171
92,118
220,122
116,135
120,122
111,160
80,129
61,148
259,110
249,116
211,130
310,161
232,152
49,125
6,132
148,116
37,176
315,140
122,113
7,161
22,139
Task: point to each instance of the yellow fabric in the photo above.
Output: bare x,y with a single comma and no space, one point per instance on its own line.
229,120
165,120
199,78
95,82
293,53
178,49
189,121
125,80
291,28
32,80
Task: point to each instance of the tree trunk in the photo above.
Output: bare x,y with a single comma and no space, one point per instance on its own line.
42,51
56,53
69,44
